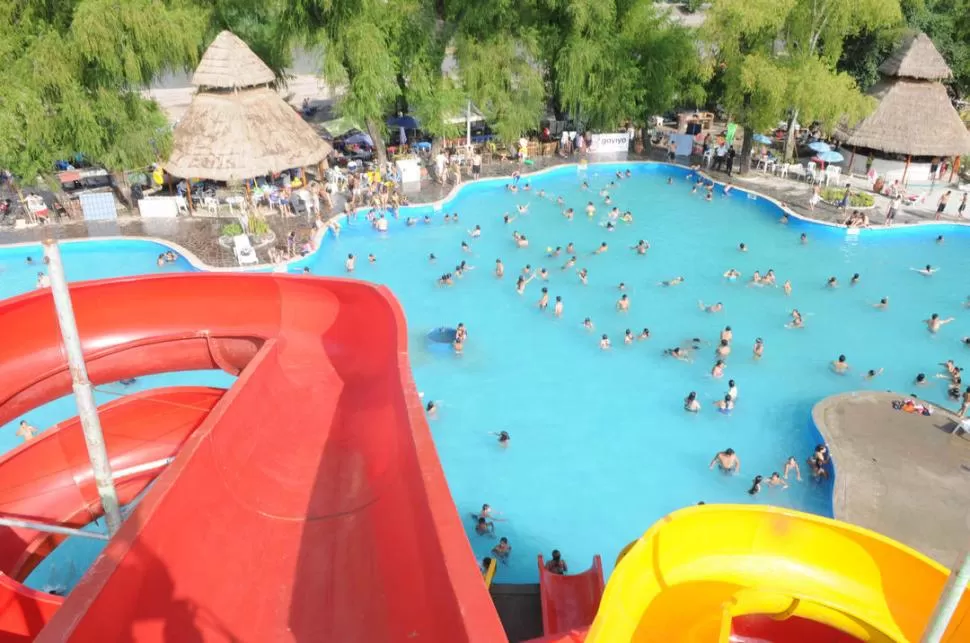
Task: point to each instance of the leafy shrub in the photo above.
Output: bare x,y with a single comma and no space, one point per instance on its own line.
231,229
856,199
258,226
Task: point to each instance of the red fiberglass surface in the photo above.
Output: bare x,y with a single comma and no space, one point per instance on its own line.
308,505
570,602
762,628
49,479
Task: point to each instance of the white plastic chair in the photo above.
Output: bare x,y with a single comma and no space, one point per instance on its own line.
708,157
812,172
833,173
211,204
797,169
762,164
782,170
182,205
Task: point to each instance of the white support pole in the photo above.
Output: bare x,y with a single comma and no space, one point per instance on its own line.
468,125
83,394
49,528
953,591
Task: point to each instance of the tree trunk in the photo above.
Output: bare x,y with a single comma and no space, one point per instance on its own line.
745,160
788,152
374,129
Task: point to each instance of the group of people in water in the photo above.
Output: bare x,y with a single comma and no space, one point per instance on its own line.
569,259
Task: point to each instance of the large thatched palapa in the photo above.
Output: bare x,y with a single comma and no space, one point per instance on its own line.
237,126
914,116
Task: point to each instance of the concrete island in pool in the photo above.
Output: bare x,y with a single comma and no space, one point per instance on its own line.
351,531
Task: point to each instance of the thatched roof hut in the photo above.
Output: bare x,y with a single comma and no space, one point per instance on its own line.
915,116
237,126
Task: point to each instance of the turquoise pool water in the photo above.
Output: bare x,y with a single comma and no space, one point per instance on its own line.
600,444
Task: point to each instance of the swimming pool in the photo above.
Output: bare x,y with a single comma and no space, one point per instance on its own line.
600,444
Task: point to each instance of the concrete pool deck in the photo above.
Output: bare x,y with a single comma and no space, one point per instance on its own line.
901,474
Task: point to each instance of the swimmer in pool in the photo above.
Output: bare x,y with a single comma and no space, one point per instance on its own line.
832,283
883,304
522,242
568,213
939,239
523,209
484,527
590,209
584,276
691,404
522,283
718,369
803,238
569,263
796,320
588,324
623,303
742,247
759,348
715,308
723,349
504,439
727,335
682,354
644,334
872,374
727,461
477,232
604,342
732,274
934,323
840,366
854,280
622,286
777,481
543,274
527,270
570,248
769,278
676,281
555,253
927,271
603,248
787,287
431,409
725,405
350,262
641,247
792,465
499,268
465,247
557,309
670,180
627,217
544,299
756,279
507,219
446,279
755,486
629,337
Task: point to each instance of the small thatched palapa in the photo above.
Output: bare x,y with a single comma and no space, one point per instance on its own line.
241,135
244,129
916,58
914,116
229,64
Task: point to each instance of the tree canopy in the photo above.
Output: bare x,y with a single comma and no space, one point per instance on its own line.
778,57
70,74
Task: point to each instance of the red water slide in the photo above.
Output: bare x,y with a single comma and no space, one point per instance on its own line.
49,480
308,505
569,602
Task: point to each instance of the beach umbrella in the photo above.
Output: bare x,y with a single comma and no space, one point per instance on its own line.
359,139
819,146
831,156
404,121
761,138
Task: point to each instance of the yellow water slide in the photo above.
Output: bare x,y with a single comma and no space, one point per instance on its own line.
719,573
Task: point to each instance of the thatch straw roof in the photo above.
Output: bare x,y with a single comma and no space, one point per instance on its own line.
914,117
241,135
916,58
229,64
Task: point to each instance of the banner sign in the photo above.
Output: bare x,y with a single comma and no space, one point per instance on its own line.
609,143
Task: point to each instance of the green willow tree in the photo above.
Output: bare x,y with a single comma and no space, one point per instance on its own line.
70,75
778,57
609,61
